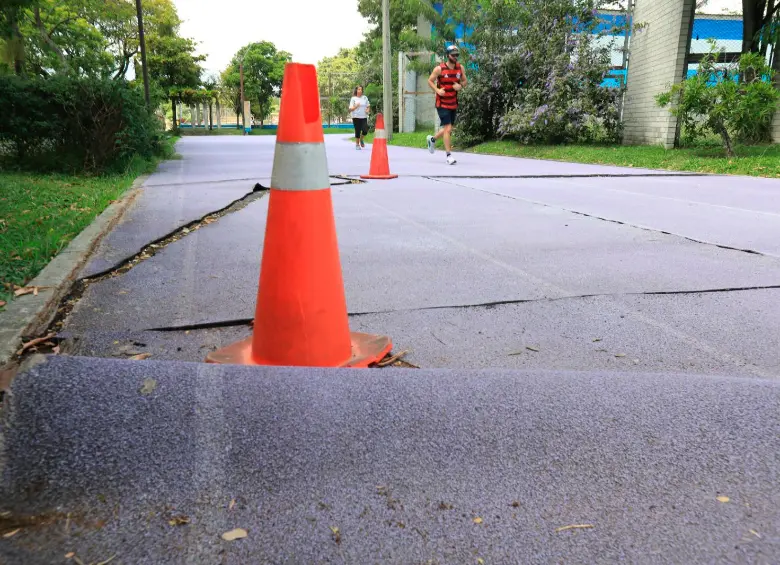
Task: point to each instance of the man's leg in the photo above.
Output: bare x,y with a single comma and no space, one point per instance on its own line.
447,134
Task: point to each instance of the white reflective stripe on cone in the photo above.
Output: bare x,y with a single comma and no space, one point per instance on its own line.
380,134
300,166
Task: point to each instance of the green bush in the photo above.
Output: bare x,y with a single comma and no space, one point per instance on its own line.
535,74
735,102
74,124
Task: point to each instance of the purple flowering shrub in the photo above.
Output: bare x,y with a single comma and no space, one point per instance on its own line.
537,74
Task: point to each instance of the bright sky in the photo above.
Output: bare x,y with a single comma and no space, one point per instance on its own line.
309,29
717,6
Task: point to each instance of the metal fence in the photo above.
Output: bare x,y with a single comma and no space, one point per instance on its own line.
336,89
724,31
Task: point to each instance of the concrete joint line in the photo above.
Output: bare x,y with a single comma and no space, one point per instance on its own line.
619,222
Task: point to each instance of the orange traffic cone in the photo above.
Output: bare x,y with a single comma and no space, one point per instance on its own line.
301,315
380,166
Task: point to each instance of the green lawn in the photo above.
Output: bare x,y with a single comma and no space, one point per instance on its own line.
759,161
41,213
187,132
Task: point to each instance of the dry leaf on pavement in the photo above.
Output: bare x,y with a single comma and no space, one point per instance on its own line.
477,520
12,533
723,499
531,348
574,527
238,533
148,386
140,357
21,291
34,342
179,520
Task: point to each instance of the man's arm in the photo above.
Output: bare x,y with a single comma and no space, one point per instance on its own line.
463,80
432,81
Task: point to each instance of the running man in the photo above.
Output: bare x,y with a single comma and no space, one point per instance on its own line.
446,81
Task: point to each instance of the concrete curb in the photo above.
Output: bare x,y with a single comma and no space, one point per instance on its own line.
30,314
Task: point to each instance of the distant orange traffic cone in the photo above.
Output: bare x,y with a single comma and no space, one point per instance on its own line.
380,166
301,314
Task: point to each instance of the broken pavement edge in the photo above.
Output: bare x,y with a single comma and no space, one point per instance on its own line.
30,314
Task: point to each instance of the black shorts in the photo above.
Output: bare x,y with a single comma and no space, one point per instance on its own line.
361,126
446,116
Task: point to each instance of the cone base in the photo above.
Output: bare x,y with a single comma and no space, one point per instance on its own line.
366,349
379,177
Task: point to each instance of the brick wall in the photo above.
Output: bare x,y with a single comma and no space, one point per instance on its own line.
658,54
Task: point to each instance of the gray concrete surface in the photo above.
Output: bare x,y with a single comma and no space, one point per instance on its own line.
400,241
735,212
161,209
401,462
733,333
211,159
622,410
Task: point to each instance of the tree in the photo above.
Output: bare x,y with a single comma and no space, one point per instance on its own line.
11,14
738,106
95,38
404,16
535,71
172,61
263,74
337,77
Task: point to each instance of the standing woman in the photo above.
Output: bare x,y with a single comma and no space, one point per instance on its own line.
358,107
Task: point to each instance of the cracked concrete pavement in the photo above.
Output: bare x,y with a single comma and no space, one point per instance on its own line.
557,253
599,348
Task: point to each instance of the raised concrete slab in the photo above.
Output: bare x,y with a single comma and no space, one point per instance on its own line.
733,333
406,466
419,243
158,211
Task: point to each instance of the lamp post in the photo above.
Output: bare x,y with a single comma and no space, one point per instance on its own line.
387,84
142,41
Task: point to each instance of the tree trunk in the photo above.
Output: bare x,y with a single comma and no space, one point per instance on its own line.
173,107
766,36
211,118
752,17
727,144
48,40
219,116
17,44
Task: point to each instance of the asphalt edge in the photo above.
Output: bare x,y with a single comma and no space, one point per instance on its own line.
30,314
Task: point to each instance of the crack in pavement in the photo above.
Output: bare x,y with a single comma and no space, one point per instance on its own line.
610,220
198,182
225,181
485,305
148,251
555,176
554,289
